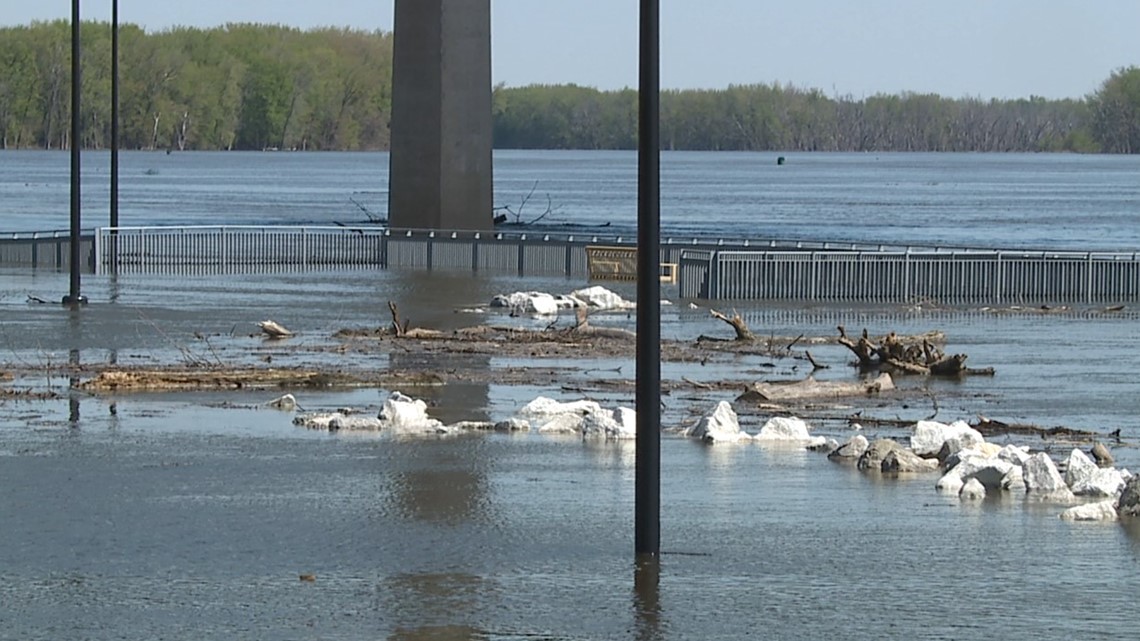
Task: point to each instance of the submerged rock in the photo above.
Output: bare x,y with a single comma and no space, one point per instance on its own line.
551,416
513,424
720,426
587,418
1101,511
285,403
1129,502
600,298
973,464
620,424
343,419
973,490
787,430
850,451
405,415
1086,478
901,461
827,446
872,457
537,303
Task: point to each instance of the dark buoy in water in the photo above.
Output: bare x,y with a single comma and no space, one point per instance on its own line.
781,160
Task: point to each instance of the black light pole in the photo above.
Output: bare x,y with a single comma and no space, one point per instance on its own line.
647,529
114,116
74,298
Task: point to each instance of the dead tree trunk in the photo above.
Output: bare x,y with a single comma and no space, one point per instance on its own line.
743,333
893,352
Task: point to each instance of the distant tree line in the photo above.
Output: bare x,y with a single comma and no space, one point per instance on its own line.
244,86
240,86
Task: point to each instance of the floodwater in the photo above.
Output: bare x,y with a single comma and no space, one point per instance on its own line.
195,515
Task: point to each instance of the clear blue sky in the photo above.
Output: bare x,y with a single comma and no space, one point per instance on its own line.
986,48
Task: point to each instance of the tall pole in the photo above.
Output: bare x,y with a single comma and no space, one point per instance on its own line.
74,297
647,529
114,114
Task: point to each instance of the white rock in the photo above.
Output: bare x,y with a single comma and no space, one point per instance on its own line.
903,461
551,416
1042,480
317,421
538,303
471,426
561,424
286,403
979,452
989,471
929,436
721,426
600,298
1107,482
1014,480
513,424
619,424
543,407
355,423
988,450
404,415
951,481
1086,478
1079,467
851,450
787,430
1015,454
1102,511
972,491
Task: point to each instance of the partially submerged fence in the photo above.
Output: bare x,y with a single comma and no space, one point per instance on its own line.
706,268
45,249
974,276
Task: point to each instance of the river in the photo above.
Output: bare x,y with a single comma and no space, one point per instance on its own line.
193,515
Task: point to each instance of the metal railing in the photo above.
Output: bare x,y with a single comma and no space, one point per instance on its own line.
957,277
707,268
44,249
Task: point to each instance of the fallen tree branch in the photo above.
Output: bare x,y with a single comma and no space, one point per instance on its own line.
811,388
743,333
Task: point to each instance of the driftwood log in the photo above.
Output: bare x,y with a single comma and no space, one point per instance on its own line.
400,328
743,333
273,329
915,357
582,327
810,388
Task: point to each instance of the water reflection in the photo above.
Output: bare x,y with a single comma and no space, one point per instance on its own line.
429,607
431,298
1131,527
446,496
456,400
646,598
75,330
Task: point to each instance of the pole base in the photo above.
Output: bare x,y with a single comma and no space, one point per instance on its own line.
74,301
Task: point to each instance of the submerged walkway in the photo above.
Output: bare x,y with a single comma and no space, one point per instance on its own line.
706,268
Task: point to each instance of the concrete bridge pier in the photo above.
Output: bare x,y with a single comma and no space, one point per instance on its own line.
440,174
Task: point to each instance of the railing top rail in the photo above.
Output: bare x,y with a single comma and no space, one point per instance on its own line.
591,237
1002,254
